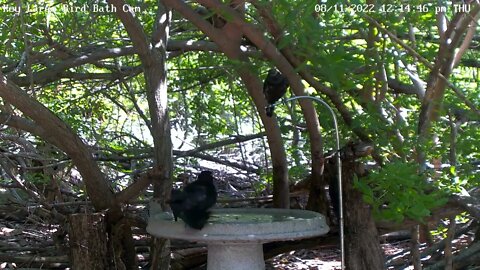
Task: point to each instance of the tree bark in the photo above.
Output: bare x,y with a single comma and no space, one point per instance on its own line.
229,38
152,53
61,135
254,87
87,234
362,243
438,77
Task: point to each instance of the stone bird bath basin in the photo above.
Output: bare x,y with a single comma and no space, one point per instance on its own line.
234,236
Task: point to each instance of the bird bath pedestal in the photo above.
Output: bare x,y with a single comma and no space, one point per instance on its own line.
234,236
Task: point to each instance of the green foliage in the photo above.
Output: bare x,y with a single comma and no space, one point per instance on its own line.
266,181
298,172
208,101
397,191
441,230
36,178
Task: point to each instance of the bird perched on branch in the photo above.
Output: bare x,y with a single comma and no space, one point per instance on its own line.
192,204
274,87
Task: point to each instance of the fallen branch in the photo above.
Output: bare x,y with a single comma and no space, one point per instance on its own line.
52,261
470,255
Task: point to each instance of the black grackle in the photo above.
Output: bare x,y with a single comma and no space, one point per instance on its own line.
274,87
176,202
193,203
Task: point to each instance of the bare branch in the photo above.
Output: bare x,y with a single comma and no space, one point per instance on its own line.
234,140
466,41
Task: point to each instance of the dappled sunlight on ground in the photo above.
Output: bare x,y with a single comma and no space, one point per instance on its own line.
328,259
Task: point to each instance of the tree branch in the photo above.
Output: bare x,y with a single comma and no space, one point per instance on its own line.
62,136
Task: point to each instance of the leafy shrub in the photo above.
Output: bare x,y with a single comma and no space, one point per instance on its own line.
397,191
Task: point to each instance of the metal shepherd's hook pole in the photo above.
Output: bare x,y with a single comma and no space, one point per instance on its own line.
339,171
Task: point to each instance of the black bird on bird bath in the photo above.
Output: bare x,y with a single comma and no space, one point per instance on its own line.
274,87
192,204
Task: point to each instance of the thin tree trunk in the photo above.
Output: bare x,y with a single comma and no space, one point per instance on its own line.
229,38
156,79
449,244
152,54
415,248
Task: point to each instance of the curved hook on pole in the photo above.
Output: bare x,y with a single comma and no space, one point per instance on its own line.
339,170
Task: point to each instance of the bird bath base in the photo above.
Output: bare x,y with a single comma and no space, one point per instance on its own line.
234,236
235,256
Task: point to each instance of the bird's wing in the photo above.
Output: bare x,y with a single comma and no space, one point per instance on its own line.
195,196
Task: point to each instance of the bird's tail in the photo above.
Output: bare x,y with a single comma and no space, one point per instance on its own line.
269,110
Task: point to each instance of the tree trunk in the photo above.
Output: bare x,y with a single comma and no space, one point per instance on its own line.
152,54
156,80
229,38
363,250
317,200
362,243
88,233
440,72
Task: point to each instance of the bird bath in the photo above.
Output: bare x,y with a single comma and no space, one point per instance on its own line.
234,236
